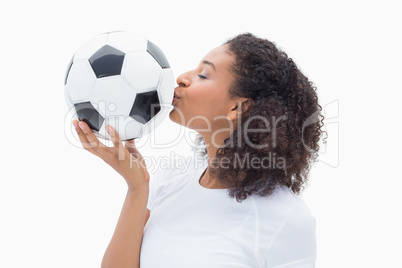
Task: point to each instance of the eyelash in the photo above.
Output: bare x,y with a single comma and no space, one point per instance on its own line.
202,77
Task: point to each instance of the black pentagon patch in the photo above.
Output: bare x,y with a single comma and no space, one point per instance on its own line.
87,113
68,70
158,55
145,107
107,61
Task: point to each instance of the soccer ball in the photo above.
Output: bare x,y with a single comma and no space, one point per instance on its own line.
119,79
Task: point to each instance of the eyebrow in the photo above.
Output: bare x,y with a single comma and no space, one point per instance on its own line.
209,63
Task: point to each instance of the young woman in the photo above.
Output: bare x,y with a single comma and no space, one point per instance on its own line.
260,122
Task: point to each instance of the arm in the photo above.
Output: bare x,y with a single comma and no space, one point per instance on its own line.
125,246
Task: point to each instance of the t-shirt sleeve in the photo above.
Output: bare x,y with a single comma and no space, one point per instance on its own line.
166,177
154,187
161,181
294,244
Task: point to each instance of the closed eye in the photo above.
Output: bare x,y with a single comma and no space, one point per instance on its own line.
202,76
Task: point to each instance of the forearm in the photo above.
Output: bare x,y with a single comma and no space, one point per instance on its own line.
125,246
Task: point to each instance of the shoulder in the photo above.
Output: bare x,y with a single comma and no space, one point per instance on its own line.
170,176
172,171
281,204
287,229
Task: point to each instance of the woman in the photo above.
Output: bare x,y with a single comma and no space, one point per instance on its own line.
260,122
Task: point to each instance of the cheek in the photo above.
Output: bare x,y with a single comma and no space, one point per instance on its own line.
207,105
208,97
202,108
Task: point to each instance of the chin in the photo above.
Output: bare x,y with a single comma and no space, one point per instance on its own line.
175,117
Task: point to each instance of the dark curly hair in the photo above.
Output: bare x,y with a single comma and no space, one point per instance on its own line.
283,126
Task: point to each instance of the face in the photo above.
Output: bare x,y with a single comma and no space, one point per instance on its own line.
202,101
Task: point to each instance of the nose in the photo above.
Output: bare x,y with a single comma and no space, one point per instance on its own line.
183,80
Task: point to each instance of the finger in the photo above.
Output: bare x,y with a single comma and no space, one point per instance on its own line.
130,142
132,149
114,136
87,138
130,146
83,138
81,135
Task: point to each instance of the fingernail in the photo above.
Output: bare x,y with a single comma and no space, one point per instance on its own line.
81,126
108,129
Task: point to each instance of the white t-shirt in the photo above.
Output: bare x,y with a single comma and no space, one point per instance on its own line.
191,226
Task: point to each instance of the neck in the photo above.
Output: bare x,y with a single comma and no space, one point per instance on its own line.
213,143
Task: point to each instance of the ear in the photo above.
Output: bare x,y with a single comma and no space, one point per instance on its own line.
241,108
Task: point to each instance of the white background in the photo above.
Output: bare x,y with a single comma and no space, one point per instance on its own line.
59,204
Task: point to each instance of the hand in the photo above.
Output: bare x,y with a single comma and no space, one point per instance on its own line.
130,147
126,160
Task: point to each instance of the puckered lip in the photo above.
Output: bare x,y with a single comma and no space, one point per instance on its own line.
175,95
